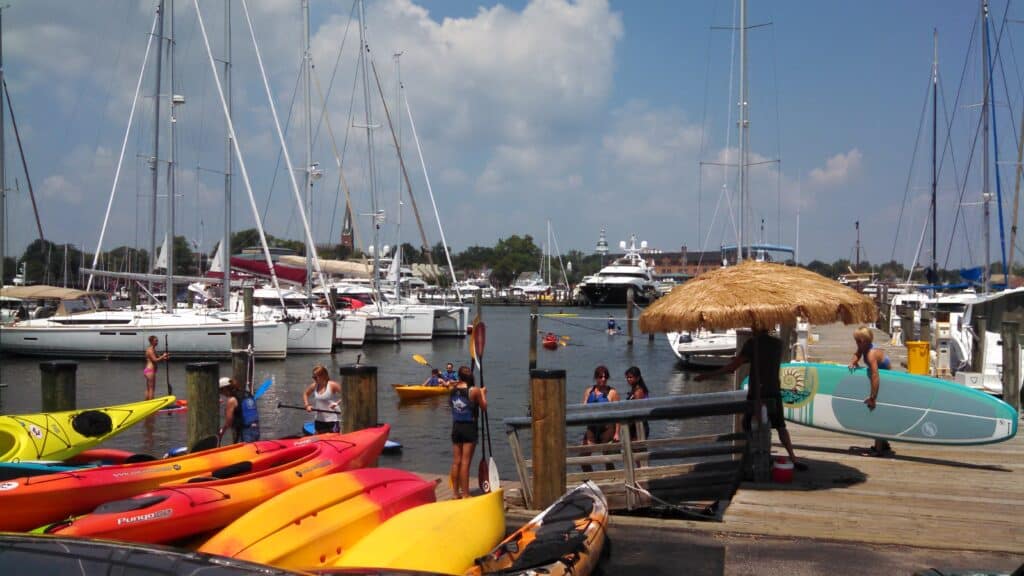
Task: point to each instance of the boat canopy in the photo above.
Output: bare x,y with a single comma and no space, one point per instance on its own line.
42,291
340,267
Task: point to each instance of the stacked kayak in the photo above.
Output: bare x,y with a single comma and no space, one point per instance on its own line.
566,538
417,391
390,447
30,502
311,524
443,537
204,504
40,554
60,435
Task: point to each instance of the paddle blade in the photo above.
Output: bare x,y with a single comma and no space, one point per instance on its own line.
482,479
264,387
479,339
420,360
492,474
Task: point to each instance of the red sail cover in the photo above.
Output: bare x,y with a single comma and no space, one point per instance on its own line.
260,268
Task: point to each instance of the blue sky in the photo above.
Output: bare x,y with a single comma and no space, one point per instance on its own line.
592,114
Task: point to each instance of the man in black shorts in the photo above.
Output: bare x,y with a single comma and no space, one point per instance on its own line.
764,353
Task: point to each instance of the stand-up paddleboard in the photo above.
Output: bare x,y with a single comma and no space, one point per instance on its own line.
909,407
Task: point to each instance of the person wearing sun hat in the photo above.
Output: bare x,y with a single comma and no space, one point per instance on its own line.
229,389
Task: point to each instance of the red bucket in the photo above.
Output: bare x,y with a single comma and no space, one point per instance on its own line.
782,470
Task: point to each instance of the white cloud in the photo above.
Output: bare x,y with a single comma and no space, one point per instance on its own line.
838,169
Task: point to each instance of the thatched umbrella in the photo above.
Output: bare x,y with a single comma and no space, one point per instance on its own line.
756,295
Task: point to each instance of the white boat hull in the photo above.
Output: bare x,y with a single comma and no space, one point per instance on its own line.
707,349
310,336
351,330
210,341
383,327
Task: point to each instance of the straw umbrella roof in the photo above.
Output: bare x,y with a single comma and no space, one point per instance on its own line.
756,295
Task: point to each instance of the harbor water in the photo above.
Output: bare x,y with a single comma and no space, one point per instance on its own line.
423,427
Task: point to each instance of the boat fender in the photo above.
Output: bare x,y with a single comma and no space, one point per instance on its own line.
92,423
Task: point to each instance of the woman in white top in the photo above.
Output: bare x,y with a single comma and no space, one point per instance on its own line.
325,401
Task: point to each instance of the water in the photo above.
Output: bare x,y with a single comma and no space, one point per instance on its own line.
422,427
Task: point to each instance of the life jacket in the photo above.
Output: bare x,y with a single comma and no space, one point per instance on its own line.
250,414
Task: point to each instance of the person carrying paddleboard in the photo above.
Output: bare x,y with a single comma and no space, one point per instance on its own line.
325,401
466,401
764,353
875,360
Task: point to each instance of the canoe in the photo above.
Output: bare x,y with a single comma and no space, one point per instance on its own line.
566,538
390,446
32,502
205,504
43,554
60,435
443,537
310,524
416,391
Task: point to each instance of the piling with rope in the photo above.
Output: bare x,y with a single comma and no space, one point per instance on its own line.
201,386
547,412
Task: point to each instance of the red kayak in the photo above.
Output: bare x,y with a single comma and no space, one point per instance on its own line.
31,502
201,505
550,342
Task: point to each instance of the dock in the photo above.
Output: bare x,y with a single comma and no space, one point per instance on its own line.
925,507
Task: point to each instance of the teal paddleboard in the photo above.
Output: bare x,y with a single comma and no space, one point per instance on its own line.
909,407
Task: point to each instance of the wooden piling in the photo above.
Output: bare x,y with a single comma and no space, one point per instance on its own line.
1011,363
58,380
629,316
978,350
247,311
203,400
240,358
358,396
547,412
133,295
534,319
925,333
332,306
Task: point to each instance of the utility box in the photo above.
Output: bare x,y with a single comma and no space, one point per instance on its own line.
943,341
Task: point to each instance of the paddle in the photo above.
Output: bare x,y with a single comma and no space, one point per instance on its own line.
303,408
264,387
487,471
423,361
167,372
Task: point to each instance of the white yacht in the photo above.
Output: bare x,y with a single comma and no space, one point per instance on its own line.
703,347
610,285
310,330
75,323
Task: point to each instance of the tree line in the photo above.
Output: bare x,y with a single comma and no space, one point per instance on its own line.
50,263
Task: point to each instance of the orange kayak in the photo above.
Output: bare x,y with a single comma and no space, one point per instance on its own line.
30,502
310,524
201,505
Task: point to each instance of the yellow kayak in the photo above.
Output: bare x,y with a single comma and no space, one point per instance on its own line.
61,435
443,538
310,524
416,391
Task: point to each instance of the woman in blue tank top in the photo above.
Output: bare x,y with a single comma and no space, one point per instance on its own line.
875,360
465,400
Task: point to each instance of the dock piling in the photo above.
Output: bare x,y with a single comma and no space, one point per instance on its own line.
547,412
58,379
358,396
201,385
247,307
978,350
1011,363
629,316
240,358
534,318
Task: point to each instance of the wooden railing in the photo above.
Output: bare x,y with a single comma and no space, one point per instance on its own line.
679,469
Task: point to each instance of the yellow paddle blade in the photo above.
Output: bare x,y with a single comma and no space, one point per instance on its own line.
420,360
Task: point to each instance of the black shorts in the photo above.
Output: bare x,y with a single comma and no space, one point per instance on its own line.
464,433
776,417
326,427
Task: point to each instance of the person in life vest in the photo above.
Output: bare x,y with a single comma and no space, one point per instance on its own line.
465,401
240,413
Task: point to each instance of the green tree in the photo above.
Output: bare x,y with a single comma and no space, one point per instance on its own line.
10,269
513,256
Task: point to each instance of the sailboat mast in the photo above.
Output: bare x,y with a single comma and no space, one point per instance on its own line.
985,195
935,129
364,61
171,164
225,246
307,65
744,133
155,162
3,164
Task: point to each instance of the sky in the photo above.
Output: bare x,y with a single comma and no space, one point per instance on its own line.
590,114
